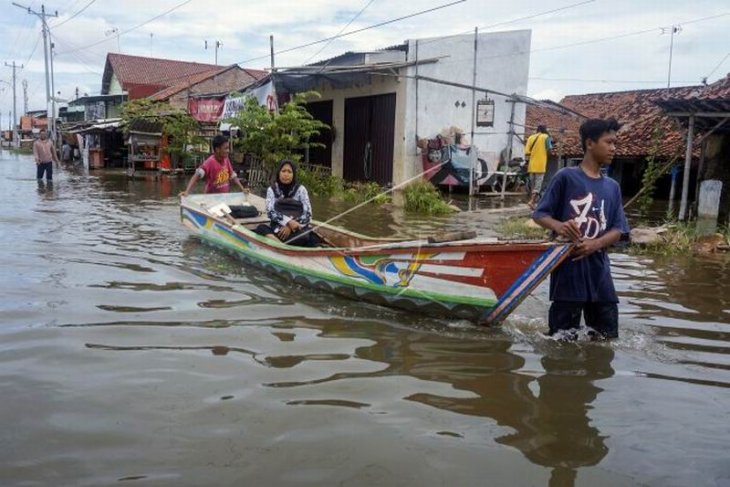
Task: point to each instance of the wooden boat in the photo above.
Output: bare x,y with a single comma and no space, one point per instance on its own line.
481,279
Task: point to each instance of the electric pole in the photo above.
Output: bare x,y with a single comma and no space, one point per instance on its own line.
217,45
25,97
675,29
16,141
46,39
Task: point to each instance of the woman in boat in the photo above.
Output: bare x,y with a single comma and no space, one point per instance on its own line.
289,209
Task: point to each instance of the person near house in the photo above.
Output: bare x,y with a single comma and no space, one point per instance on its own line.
289,209
584,206
217,171
44,154
65,152
537,148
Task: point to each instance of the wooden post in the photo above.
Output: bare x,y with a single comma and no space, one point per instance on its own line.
509,145
687,168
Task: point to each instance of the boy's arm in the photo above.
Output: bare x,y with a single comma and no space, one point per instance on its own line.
35,152
191,184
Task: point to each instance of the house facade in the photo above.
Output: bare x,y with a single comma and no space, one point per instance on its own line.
379,103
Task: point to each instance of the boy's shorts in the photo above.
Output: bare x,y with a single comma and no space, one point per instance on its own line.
602,317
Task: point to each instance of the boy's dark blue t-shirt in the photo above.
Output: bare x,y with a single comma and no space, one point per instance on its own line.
595,205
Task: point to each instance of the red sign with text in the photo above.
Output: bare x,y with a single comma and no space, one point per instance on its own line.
206,109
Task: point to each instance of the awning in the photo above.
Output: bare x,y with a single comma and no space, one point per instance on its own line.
101,126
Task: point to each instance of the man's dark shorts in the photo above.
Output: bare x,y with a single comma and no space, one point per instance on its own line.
602,317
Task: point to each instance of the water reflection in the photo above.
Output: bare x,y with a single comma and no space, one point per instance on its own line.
547,411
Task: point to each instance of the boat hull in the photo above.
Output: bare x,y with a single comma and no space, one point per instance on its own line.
480,280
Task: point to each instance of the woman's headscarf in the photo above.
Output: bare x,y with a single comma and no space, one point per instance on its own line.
290,189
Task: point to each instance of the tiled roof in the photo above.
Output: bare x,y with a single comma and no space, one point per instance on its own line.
152,71
636,110
166,93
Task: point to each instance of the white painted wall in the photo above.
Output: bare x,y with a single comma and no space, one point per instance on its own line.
503,61
115,87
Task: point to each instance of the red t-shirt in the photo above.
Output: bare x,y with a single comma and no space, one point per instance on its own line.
217,176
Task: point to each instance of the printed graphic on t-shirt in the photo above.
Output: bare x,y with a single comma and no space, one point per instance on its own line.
222,177
591,219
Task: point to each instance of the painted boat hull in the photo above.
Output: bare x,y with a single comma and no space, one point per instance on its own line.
482,280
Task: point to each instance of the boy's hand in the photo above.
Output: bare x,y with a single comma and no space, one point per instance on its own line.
294,225
569,230
585,248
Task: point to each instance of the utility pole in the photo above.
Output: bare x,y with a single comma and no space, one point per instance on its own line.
46,35
16,141
217,45
25,96
675,29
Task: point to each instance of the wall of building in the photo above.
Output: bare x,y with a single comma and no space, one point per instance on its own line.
503,62
717,166
380,85
115,87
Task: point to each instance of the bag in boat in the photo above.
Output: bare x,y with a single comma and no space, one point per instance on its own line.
244,211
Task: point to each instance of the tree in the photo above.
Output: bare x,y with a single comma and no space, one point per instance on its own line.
274,136
177,124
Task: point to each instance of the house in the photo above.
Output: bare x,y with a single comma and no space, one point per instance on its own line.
650,129
646,131
140,77
379,103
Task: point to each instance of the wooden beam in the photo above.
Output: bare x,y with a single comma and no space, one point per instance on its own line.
699,114
687,168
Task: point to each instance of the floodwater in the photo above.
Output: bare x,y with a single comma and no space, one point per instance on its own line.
131,352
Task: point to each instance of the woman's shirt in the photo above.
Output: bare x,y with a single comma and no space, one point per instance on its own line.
279,219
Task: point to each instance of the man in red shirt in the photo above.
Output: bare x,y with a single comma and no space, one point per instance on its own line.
217,170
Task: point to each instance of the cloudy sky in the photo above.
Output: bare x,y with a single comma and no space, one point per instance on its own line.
578,46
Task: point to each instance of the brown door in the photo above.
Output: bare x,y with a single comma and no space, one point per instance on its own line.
322,111
369,132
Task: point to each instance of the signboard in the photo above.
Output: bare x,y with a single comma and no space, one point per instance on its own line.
265,95
206,109
485,113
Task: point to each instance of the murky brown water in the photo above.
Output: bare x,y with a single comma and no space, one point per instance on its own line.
132,352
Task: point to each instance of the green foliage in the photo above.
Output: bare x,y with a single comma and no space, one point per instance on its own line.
178,124
652,172
320,183
520,227
360,192
422,197
272,137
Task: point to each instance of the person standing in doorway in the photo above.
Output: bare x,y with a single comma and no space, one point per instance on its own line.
537,148
217,170
584,206
44,154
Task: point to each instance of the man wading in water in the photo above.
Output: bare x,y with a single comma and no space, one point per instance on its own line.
584,206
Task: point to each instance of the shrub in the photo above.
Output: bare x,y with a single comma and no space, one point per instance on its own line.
423,197
520,227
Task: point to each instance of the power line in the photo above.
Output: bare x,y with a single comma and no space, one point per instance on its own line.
340,32
74,15
603,80
512,21
718,66
356,31
182,4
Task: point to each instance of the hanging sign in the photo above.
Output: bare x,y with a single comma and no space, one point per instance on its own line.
485,113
